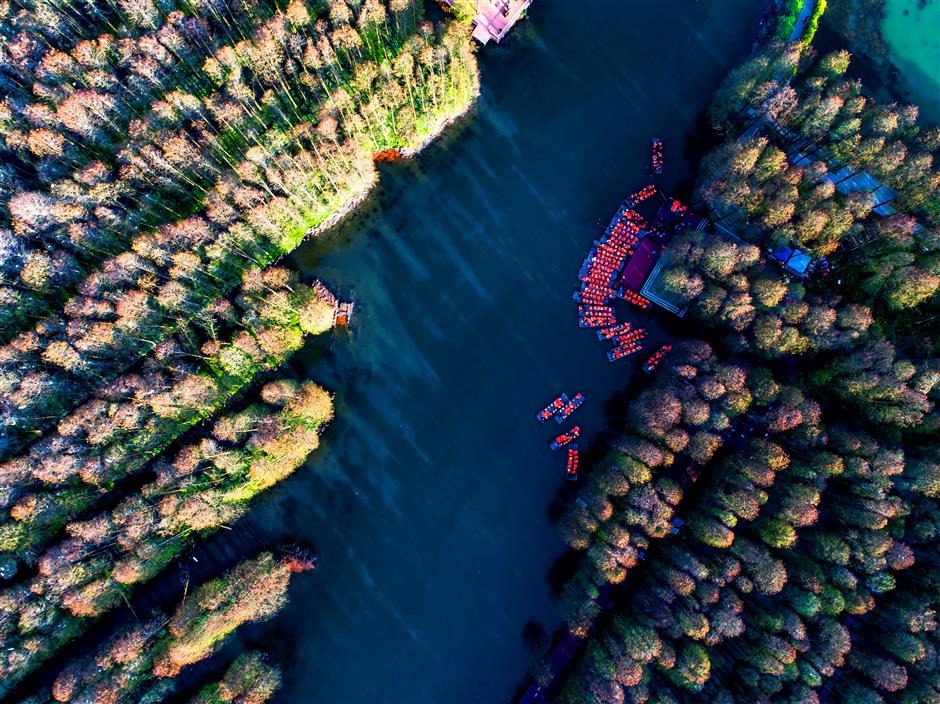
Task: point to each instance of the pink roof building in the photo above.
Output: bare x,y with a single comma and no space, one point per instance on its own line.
495,17
640,265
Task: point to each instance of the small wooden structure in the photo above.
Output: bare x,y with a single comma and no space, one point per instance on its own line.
344,313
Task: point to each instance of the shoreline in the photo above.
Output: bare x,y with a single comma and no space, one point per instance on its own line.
861,29
339,215
345,211
439,131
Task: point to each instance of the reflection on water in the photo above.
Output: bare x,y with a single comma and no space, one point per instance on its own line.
428,501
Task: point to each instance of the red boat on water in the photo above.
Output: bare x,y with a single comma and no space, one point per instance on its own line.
635,199
597,320
624,351
613,331
569,408
656,160
632,336
551,409
566,438
571,471
636,299
653,362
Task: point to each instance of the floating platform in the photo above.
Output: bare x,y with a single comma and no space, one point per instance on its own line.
638,269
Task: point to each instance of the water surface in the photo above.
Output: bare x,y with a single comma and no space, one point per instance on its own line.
911,29
428,502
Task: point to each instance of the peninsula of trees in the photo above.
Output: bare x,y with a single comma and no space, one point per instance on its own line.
157,159
766,528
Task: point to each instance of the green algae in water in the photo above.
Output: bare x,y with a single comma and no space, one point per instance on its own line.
911,29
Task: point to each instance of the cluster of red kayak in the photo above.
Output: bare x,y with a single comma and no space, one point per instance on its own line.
566,438
607,258
634,199
635,298
571,471
600,273
599,276
656,159
627,341
560,409
601,267
653,362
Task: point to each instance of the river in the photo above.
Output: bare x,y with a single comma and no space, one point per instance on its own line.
428,501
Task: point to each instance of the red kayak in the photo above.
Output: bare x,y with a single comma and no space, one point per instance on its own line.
569,408
653,362
551,409
571,471
656,159
566,438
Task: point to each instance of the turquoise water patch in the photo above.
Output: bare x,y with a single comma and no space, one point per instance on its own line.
911,29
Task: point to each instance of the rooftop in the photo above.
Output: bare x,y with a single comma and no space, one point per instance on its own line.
495,17
640,264
795,260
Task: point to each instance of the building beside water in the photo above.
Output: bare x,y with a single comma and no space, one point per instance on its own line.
492,19
645,275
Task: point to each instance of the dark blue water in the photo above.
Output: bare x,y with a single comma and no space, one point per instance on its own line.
429,500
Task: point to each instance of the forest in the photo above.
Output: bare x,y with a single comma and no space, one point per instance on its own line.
765,527
157,161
